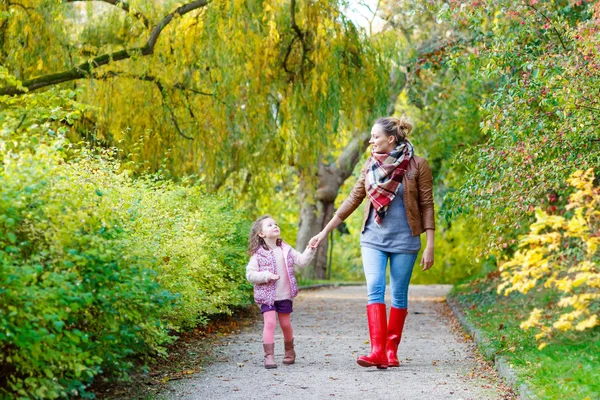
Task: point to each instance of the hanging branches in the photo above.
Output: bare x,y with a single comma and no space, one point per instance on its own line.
122,5
298,35
84,70
151,78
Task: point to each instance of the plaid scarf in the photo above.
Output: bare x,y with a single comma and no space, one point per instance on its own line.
384,174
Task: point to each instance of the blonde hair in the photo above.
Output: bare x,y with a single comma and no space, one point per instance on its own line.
399,128
255,241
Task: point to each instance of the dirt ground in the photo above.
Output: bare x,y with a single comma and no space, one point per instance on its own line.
438,361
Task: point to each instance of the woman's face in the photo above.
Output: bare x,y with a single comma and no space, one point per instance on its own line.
380,141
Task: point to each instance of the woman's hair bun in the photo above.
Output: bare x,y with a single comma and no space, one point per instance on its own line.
397,127
404,126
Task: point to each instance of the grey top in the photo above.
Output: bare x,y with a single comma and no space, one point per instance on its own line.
394,234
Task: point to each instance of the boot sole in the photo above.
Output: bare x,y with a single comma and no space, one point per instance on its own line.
368,364
288,362
270,366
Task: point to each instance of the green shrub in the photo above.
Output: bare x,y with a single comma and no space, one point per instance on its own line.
74,302
96,267
199,242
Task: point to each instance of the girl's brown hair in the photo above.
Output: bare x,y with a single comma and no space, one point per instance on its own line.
255,241
399,128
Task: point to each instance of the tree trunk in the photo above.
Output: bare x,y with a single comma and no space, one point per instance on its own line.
314,215
317,212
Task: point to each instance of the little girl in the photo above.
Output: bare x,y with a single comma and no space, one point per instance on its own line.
271,270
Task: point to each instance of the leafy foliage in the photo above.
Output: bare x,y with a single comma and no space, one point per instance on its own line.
540,120
96,268
266,84
561,253
569,367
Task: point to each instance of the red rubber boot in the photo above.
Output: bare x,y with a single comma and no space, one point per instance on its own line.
395,327
378,334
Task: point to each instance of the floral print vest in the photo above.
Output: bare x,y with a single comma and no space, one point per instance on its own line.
264,293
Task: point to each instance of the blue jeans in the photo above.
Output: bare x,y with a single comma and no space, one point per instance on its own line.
401,267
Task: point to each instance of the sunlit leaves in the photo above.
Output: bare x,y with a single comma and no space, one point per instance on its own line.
255,89
95,267
540,120
561,253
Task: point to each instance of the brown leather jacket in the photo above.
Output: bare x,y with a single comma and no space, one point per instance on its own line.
418,197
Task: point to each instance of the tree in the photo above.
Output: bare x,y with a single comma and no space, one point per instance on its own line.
540,121
443,102
267,85
84,70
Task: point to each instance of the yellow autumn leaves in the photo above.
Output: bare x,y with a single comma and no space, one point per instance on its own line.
561,253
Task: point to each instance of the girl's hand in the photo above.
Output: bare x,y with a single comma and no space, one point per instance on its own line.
427,260
274,277
316,240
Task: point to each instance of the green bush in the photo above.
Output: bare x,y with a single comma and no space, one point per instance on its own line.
74,301
199,242
97,267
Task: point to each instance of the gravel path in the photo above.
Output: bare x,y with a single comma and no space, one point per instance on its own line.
330,328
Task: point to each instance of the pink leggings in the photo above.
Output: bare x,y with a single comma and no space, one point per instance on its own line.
285,323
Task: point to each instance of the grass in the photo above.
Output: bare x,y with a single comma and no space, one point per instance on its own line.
568,368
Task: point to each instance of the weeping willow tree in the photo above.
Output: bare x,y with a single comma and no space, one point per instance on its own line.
240,93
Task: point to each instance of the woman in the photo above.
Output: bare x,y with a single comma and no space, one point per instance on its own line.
398,185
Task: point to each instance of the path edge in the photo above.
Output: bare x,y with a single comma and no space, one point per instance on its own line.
501,364
326,285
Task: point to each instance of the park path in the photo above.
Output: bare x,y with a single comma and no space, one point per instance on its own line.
330,328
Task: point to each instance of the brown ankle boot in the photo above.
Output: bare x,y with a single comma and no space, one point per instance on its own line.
269,355
289,356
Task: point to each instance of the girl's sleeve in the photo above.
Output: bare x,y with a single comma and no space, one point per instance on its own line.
254,275
303,259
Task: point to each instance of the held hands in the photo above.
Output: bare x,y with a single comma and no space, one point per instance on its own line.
316,240
427,260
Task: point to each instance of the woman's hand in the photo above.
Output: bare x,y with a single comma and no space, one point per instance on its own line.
316,240
274,277
427,260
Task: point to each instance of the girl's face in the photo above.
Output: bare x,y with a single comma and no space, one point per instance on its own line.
270,229
380,141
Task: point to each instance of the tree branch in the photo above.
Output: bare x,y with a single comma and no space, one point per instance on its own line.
153,79
287,55
302,37
350,155
21,122
122,5
163,93
295,26
84,70
162,90
20,5
552,24
178,12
